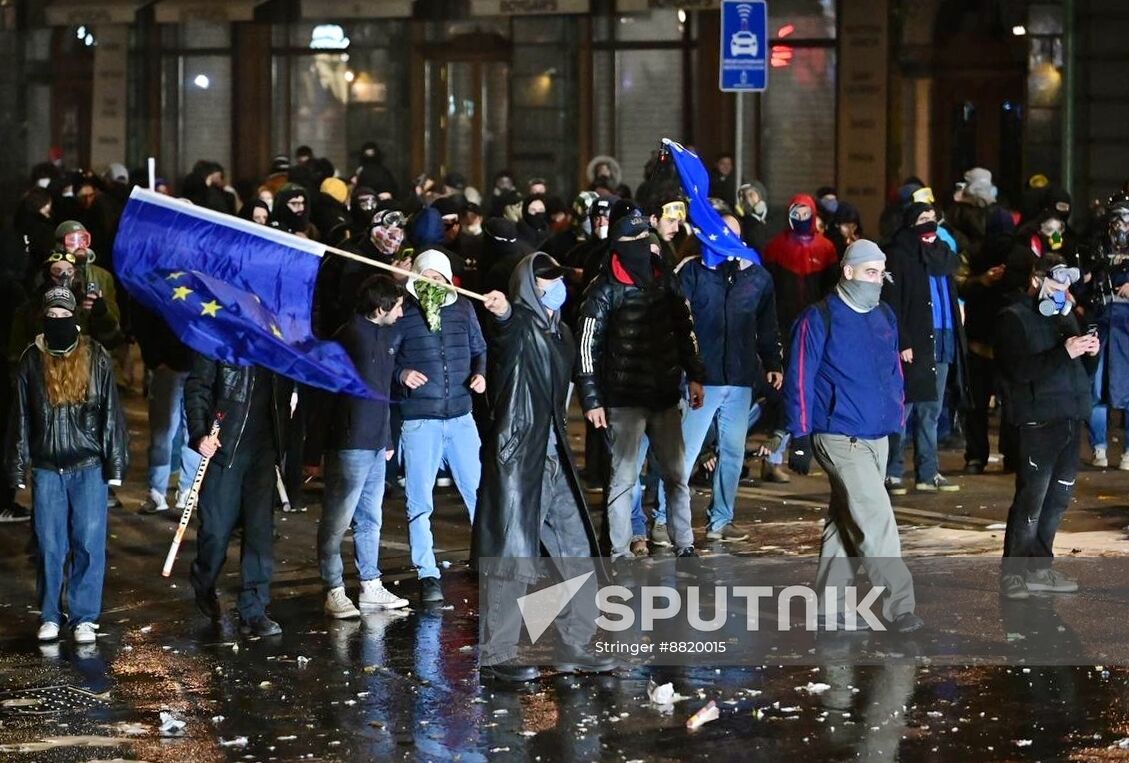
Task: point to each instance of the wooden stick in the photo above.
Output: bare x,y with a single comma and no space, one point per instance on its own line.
401,271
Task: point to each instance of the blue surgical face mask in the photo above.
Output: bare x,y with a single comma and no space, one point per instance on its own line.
554,295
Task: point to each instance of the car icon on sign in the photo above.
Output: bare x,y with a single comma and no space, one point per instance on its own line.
743,44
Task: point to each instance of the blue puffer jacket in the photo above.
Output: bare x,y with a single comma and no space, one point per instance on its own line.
734,315
448,358
849,382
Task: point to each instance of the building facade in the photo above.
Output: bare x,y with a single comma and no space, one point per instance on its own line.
861,92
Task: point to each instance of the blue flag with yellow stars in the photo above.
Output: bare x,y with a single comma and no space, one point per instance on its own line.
718,242
235,291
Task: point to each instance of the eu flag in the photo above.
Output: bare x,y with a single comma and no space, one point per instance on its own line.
718,242
235,291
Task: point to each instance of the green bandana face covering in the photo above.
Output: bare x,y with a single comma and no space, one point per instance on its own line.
431,299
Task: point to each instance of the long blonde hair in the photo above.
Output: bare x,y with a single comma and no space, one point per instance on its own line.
67,377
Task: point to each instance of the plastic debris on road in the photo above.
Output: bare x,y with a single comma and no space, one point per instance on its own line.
703,716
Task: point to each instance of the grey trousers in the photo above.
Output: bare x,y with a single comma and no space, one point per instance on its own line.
564,539
626,427
860,529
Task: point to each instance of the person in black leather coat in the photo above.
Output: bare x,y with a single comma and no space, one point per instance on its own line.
238,489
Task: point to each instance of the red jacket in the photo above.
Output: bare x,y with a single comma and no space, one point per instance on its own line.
804,268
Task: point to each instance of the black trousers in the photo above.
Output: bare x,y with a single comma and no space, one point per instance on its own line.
983,383
238,495
1045,473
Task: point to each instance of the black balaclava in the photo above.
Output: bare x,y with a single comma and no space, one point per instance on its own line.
635,255
540,221
934,251
282,217
362,206
500,239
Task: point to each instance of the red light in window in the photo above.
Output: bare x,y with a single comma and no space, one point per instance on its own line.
786,30
781,55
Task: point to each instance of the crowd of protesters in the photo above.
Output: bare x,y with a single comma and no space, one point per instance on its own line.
839,347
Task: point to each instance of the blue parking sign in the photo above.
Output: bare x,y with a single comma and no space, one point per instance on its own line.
744,45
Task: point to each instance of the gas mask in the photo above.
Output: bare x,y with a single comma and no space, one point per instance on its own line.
1051,230
1053,301
1119,228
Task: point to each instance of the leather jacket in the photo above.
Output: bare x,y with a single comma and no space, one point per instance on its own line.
213,387
66,438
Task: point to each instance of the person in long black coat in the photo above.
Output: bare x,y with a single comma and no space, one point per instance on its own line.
530,501
922,292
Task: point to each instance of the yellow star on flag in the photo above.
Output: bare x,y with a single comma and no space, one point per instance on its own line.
174,276
211,307
276,331
181,292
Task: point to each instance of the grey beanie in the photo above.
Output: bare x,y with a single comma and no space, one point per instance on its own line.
862,251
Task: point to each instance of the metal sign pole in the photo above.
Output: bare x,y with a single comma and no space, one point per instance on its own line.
739,148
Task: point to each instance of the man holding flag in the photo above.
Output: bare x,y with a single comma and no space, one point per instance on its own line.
240,295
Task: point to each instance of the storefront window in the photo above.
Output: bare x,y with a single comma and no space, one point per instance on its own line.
798,124
337,86
648,103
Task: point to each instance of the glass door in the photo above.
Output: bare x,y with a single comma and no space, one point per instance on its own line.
466,113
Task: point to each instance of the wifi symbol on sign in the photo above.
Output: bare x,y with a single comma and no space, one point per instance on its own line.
744,11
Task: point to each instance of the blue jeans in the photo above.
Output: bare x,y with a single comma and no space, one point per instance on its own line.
427,444
70,521
777,456
1099,414
166,427
354,492
730,405
924,435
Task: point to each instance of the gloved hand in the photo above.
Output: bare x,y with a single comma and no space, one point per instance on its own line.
99,308
800,455
772,444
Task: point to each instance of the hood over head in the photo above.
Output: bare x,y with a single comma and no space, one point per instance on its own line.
523,287
426,228
613,165
281,214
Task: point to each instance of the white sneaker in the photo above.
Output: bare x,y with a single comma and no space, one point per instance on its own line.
48,631
85,633
443,482
375,596
339,606
1100,460
1124,465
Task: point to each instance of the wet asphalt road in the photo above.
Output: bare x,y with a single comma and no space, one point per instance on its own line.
406,686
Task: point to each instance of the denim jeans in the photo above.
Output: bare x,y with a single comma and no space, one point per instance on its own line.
1044,482
730,405
1099,414
166,427
924,435
427,444
756,410
354,493
70,527
626,427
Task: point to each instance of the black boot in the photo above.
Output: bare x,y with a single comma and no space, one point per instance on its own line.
577,660
510,672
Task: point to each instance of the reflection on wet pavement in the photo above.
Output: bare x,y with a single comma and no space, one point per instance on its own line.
405,686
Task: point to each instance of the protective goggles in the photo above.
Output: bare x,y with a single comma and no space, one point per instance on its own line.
79,239
61,257
389,218
674,210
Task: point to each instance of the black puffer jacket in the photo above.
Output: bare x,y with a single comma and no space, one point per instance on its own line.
1042,383
66,438
635,343
213,387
